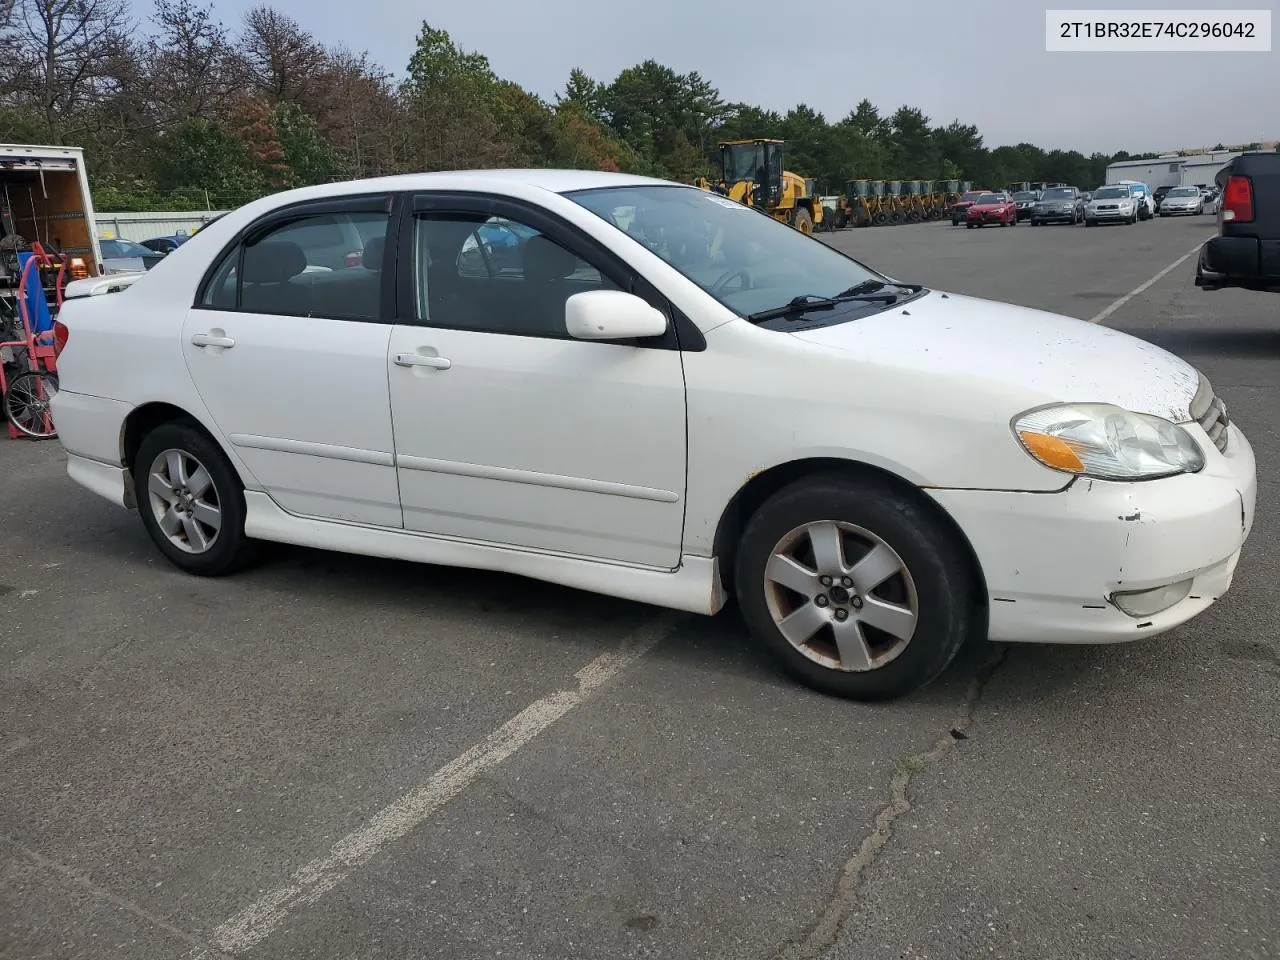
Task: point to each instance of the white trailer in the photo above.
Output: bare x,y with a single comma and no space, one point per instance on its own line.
44,197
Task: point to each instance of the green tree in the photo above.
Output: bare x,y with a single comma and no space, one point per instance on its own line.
309,157
585,93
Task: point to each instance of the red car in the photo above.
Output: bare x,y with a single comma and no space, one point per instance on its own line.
965,201
992,208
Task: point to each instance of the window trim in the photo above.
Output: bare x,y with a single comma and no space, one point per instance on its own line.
682,334
390,203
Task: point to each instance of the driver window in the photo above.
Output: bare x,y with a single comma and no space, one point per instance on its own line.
496,275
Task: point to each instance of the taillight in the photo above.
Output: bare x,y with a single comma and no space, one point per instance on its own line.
60,336
1237,200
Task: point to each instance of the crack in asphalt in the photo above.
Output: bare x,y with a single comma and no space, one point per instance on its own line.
824,933
128,906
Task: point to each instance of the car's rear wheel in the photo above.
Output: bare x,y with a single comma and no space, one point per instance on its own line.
857,589
191,501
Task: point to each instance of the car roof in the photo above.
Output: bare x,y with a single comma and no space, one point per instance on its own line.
551,180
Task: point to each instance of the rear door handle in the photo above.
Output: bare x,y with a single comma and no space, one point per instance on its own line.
209,340
418,360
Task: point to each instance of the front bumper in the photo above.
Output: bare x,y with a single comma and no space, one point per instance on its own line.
1052,562
1052,216
977,218
1103,215
1168,211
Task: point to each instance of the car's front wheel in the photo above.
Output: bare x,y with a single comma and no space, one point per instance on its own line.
191,500
859,590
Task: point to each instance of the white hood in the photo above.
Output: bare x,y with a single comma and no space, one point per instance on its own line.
1049,357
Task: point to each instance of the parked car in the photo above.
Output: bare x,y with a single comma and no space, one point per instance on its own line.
1058,205
1114,203
1025,200
1143,203
1181,201
125,256
1246,251
166,244
703,404
992,208
965,201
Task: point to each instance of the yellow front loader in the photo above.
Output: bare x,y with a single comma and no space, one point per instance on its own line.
751,172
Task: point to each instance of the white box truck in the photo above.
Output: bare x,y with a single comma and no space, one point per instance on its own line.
44,197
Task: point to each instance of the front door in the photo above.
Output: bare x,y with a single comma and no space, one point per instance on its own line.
506,429
287,348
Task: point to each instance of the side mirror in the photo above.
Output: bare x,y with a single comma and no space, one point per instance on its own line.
611,315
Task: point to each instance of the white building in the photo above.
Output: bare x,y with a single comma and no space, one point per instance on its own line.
1172,170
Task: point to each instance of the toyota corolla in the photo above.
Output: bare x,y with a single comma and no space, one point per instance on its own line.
659,394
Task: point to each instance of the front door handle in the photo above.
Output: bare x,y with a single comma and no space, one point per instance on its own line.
418,360
209,340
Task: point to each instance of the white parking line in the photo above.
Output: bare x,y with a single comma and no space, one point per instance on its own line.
312,881
1116,305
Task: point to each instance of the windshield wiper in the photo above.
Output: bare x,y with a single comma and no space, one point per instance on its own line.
800,304
866,286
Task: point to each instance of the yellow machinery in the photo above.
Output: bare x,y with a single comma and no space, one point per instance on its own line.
856,204
933,203
913,206
895,203
880,202
945,193
752,173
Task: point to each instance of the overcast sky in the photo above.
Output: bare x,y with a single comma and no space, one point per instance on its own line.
981,62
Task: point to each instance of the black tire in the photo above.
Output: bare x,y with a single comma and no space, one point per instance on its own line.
943,577
231,549
802,220
968,226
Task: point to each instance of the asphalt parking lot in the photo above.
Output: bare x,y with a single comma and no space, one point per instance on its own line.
332,757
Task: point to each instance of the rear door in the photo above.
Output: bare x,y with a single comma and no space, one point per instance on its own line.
287,346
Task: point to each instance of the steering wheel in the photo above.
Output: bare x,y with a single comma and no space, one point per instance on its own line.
718,287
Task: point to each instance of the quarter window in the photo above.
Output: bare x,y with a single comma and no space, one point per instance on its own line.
321,265
496,275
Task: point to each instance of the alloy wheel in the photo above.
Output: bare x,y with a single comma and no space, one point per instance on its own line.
841,596
184,501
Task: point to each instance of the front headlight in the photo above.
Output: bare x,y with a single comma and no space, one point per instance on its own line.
1106,442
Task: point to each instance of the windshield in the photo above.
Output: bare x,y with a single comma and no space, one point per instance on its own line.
1023,196
1110,193
989,198
745,259
1058,193
744,161
117,249
1184,192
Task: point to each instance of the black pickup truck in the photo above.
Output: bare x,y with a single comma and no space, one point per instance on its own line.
1246,251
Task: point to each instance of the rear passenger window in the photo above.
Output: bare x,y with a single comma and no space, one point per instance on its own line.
324,265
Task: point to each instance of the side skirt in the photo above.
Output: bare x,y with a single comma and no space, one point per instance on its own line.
693,587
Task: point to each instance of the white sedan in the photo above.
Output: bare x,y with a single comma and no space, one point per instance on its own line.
642,389
1182,200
